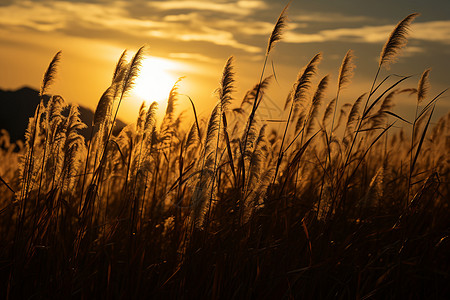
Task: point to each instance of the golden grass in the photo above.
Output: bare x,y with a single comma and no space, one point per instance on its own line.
168,212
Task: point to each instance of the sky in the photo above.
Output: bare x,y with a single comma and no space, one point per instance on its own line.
194,38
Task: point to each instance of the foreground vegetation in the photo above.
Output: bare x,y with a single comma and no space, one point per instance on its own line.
340,203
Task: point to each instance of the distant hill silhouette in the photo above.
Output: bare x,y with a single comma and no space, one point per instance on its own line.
16,107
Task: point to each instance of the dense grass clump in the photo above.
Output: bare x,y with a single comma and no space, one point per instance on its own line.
339,204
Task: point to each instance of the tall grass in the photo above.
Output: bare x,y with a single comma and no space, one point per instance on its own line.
322,209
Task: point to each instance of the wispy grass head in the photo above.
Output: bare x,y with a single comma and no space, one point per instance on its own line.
397,40
103,107
424,86
226,84
346,70
120,66
133,69
305,77
50,74
251,94
277,31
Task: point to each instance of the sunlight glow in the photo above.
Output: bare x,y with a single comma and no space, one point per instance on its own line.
155,80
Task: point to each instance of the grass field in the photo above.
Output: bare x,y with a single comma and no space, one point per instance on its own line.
348,200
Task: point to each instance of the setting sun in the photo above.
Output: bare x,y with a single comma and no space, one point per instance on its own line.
155,80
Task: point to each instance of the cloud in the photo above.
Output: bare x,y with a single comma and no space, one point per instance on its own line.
195,21
194,56
324,17
234,8
218,37
93,18
437,31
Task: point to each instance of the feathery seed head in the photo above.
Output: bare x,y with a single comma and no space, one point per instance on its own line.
50,74
277,31
346,70
103,107
132,71
120,67
226,84
424,86
397,40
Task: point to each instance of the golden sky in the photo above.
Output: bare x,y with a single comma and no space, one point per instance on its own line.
195,38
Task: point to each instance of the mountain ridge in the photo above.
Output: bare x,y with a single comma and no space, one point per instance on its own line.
17,106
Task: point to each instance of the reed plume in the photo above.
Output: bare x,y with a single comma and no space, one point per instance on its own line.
299,93
379,118
225,91
133,70
346,71
104,106
141,118
120,67
192,137
49,76
315,105
343,113
423,86
274,38
397,40
250,95
226,85
277,31
353,117
345,75
74,125
257,158
303,82
167,122
328,111
55,106
204,186
150,117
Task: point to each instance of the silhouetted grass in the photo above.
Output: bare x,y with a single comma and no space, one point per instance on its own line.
228,208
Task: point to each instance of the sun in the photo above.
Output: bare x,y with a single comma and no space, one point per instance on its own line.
154,81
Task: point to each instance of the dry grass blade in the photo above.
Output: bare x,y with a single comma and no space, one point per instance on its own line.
378,119
397,40
367,150
294,162
422,138
7,185
196,119
366,110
